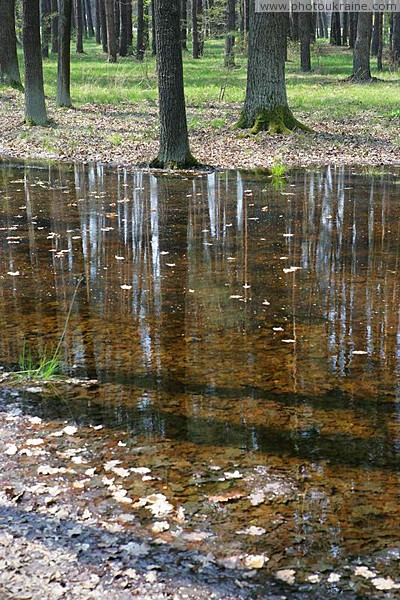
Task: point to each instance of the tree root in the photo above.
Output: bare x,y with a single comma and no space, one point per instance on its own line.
277,120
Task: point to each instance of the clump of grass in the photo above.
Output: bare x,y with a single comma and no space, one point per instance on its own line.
49,364
278,170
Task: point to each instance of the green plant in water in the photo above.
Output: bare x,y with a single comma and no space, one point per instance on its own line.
49,364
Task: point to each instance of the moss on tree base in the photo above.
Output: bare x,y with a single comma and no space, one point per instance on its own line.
277,120
189,163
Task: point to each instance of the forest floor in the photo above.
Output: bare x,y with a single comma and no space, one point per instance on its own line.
126,135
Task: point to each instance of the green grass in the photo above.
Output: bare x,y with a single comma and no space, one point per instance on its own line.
43,369
322,93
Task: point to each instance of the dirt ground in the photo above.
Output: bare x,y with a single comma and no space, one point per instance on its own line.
127,135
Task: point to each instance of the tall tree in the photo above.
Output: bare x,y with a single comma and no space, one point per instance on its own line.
305,33
123,27
64,53
9,69
35,107
230,21
396,39
45,17
184,5
89,18
103,25
97,22
111,34
266,106
336,35
54,26
174,141
78,9
140,36
197,28
361,51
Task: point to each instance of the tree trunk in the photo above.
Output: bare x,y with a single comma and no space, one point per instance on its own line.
230,33
380,43
45,11
103,25
79,26
183,24
35,107
174,142
64,53
9,69
294,26
375,34
111,37
89,18
130,29
345,29
54,26
305,30
353,18
396,39
336,37
123,30
140,43
97,27
361,60
153,30
265,105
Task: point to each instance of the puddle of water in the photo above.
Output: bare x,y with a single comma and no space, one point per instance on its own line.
242,326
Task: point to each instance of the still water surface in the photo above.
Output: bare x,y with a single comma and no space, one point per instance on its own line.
232,321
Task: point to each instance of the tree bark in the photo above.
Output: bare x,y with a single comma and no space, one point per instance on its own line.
89,18
54,26
183,24
265,105
336,36
353,18
396,39
45,12
305,31
103,25
97,26
123,30
140,40
197,35
79,26
174,142
361,60
111,37
230,21
380,43
9,68
35,107
64,53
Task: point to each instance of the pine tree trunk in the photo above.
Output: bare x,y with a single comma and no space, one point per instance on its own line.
35,107
79,26
361,60
265,105
9,68
195,31
54,26
153,30
174,142
305,26
380,43
64,53
45,11
345,17
230,33
111,37
353,18
130,29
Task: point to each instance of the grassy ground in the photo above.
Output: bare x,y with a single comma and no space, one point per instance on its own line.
116,112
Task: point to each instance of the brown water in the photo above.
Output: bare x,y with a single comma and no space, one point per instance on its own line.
235,323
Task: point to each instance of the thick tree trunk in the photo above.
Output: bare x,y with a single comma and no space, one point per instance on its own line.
305,31
54,26
9,69
396,39
45,11
79,26
123,27
265,105
35,107
230,33
353,18
174,142
345,29
361,59
64,53
197,30
294,26
111,37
